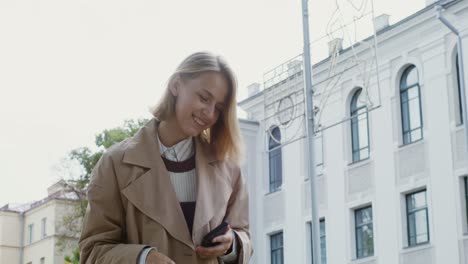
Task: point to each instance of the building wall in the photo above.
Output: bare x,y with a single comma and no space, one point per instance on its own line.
51,247
9,237
436,163
41,246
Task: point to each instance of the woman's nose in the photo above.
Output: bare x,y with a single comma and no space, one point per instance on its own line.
210,112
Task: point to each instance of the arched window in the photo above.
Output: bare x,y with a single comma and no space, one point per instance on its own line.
459,95
410,99
359,127
275,160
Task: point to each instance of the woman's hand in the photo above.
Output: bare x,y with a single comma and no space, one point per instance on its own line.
219,250
155,257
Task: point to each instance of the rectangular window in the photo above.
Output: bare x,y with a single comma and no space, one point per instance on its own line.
275,160
276,168
30,233
364,232
323,241
412,119
43,227
417,218
276,245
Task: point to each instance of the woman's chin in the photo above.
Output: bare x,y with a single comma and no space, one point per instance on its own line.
193,132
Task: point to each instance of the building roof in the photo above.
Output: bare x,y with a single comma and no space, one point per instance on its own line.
64,193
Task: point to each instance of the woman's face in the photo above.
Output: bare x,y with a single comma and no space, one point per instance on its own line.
199,102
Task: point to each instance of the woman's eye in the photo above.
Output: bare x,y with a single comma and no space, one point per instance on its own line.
203,99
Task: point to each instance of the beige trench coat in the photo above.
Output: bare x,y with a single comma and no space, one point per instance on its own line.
132,204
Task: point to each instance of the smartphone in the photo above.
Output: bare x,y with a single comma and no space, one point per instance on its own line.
219,230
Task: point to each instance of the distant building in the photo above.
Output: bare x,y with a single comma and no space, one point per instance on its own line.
34,233
392,183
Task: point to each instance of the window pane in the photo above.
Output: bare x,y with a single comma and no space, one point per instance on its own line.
276,167
364,216
322,228
405,116
413,92
361,101
406,138
416,135
415,114
355,139
276,243
364,232
412,77
418,228
417,200
355,133
364,240
323,243
43,229
363,135
364,153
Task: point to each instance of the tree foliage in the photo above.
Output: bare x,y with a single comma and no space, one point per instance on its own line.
87,159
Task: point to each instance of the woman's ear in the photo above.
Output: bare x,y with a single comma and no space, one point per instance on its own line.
174,88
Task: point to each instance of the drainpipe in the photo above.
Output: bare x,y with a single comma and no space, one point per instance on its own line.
21,238
463,92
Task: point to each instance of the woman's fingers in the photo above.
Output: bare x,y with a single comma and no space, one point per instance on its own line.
219,250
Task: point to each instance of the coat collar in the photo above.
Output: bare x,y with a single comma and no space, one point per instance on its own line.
152,193
144,145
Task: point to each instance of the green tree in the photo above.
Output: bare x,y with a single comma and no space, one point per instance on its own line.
86,158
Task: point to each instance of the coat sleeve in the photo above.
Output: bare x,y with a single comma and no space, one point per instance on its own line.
238,217
103,235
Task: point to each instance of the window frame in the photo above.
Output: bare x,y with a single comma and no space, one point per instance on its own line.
30,233
413,211
357,227
275,161
355,115
323,240
404,106
44,227
279,249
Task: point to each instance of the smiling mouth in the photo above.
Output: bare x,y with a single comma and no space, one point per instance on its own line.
199,121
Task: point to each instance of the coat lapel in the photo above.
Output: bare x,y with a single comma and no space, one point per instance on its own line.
152,193
213,191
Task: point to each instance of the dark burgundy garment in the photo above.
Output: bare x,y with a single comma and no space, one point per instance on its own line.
188,208
179,166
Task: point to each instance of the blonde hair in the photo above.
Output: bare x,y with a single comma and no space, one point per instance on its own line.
224,136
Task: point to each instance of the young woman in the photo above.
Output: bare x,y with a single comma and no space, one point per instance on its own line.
153,197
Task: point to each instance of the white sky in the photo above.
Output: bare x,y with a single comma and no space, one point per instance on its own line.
70,69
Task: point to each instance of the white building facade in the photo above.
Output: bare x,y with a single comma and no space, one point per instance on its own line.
392,183
33,233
